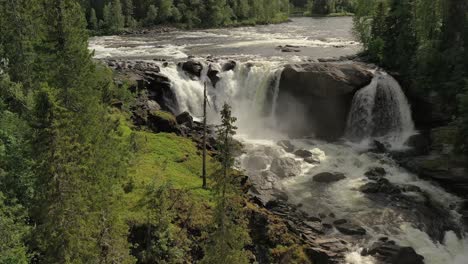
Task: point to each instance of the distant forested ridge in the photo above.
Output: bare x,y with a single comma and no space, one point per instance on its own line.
112,16
426,42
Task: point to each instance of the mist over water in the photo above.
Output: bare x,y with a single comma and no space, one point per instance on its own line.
379,111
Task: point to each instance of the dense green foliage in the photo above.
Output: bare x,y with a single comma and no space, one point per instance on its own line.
326,7
114,15
425,41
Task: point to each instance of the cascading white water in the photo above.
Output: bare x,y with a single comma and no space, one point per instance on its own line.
380,111
250,88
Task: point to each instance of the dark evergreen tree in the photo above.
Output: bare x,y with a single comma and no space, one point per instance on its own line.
229,238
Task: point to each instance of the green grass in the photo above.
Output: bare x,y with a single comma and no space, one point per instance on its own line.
166,158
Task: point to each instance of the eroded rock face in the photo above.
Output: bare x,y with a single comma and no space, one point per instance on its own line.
315,98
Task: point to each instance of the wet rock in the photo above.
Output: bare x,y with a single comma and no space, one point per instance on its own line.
390,253
303,153
380,186
327,177
340,222
375,173
315,98
286,167
312,160
419,143
213,75
448,170
185,119
288,49
192,67
256,163
378,147
350,229
229,66
286,145
316,227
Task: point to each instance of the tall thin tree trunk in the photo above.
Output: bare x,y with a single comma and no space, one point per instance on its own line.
204,138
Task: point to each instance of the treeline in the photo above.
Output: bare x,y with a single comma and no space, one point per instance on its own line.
64,155
112,16
324,7
426,41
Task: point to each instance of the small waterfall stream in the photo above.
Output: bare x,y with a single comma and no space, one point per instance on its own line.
379,111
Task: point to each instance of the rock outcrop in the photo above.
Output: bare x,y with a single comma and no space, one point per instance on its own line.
388,252
315,98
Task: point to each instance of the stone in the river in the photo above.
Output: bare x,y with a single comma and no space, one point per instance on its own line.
256,163
350,229
192,67
340,221
378,147
230,65
389,253
213,75
286,145
303,153
375,173
328,177
312,160
286,167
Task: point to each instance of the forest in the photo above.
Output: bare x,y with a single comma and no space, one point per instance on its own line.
110,17
79,183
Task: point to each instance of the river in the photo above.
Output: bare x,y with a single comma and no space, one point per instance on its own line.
257,73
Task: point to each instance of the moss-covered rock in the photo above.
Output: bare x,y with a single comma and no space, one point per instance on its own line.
162,121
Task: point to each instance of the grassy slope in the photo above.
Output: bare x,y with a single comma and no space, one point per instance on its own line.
159,159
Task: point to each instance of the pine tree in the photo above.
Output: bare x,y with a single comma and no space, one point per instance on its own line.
228,241
93,21
151,16
19,32
77,163
13,233
165,10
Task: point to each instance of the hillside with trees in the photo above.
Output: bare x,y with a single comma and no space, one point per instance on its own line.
426,42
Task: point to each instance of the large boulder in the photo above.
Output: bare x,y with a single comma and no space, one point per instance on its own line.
185,119
286,167
328,177
193,68
161,121
315,98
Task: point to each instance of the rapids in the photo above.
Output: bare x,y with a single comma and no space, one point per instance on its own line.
379,111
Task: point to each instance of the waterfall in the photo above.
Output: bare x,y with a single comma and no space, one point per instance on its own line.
380,111
250,88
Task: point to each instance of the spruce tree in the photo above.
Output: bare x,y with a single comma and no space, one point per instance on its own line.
229,238
93,21
165,10
77,155
151,16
